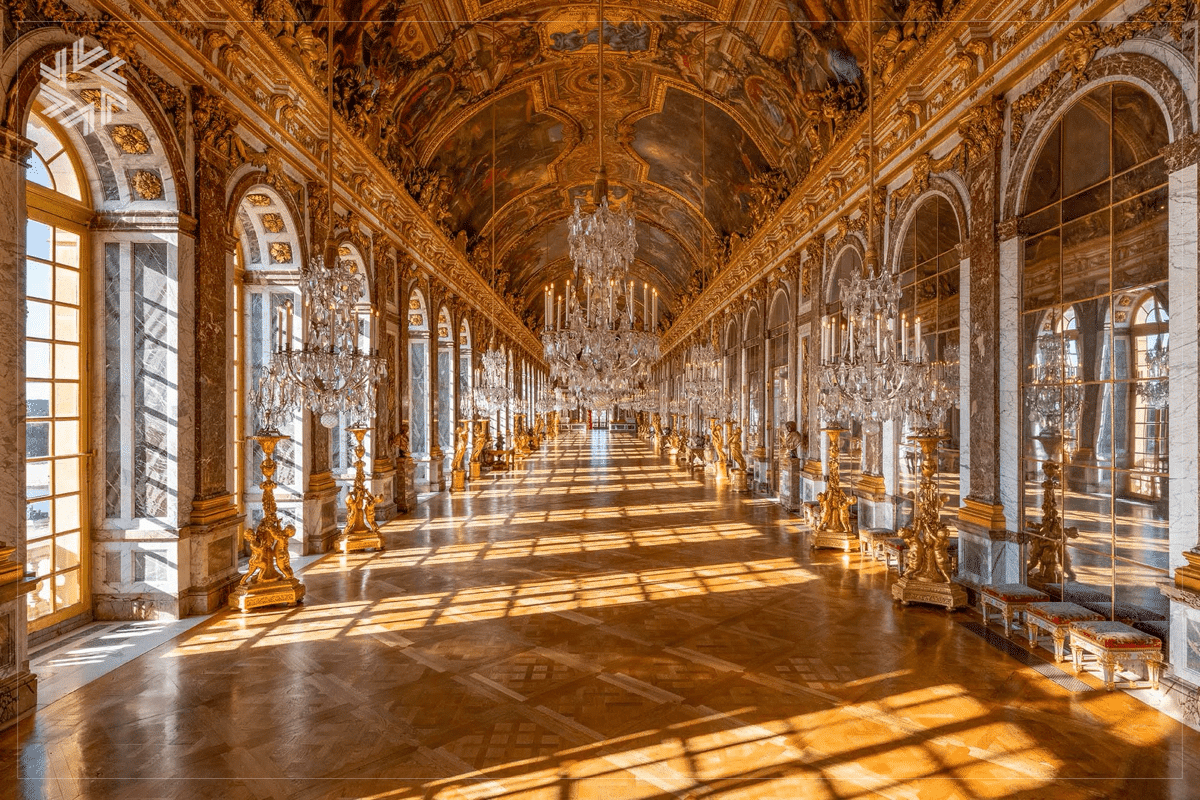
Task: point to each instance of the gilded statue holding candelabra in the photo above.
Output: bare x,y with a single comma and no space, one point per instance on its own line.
458,471
520,436
833,522
1049,559
477,444
269,579
361,531
737,473
719,459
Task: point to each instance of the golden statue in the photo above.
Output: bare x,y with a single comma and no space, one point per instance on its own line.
833,527
717,437
460,445
735,447
361,531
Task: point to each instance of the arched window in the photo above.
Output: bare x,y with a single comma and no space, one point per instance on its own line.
779,343
56,274
418,384
1095,219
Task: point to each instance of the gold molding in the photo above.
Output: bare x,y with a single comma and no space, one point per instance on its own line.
985,515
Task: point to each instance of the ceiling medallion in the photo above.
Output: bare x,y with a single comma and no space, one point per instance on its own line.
273,223
281,252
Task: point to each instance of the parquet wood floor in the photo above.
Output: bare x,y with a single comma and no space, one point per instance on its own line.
596,625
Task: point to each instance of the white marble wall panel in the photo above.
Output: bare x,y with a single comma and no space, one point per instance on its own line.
1010,377
1184,353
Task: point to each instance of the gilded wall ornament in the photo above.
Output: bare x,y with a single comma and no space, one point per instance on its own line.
258,199
273,223
281,252
147,185
130,139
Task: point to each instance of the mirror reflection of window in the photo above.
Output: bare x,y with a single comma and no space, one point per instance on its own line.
1094,330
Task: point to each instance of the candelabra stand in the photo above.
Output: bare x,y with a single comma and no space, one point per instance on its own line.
361,531
269,580
1049,561
928,577
833,528
737,472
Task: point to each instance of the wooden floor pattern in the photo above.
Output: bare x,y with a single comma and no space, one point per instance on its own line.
596,625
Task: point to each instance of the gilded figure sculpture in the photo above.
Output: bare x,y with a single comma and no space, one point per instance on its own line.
460,444
1049,559
717,437
735,447
833,522
361,531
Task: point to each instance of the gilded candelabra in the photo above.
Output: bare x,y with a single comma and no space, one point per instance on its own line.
833,527
269,580
361,532
1049,560
929,573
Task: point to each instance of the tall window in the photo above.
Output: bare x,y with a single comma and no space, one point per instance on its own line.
1096,250
1150,344
55,430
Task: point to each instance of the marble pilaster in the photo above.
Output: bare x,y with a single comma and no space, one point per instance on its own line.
18,686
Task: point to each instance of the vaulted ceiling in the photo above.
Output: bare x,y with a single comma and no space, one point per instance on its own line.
490,114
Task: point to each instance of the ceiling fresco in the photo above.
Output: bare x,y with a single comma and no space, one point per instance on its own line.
459,98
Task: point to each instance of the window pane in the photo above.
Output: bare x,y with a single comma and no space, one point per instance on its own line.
37,519
37,439
1085,257
66,551
37,399
66,513
66,361
40,601
66,437
66,399
66,285
66,475
37,320
37,279
37,360
39,238
66,589
37,479
66,248
66,323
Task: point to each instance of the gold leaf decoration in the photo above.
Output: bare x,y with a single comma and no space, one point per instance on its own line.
258,200
273,223
146,184
281,252
130,139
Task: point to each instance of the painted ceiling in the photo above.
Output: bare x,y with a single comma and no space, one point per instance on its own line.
490,114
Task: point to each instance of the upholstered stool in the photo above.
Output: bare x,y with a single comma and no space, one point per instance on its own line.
1011,599
1116,644
892,548
869,537
1056,619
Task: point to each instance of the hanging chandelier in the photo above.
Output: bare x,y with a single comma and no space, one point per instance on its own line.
594,349
492,392
1055,395
1155,389
702,384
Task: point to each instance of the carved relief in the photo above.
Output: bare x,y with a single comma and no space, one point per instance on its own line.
147,185
272,223
130,139
281,252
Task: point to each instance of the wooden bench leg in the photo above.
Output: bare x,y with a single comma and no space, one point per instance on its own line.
1059,641
1032,630
1108,667
984,607
1077,656
1154,666
1008,616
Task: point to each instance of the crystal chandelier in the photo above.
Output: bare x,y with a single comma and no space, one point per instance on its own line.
702,384
594,349
329,373
1055,397
492,392
863,375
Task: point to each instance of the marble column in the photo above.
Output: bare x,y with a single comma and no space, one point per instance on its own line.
215,520
1184,238
988,552
18,686
437,478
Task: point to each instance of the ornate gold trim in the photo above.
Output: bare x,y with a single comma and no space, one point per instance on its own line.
985,515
